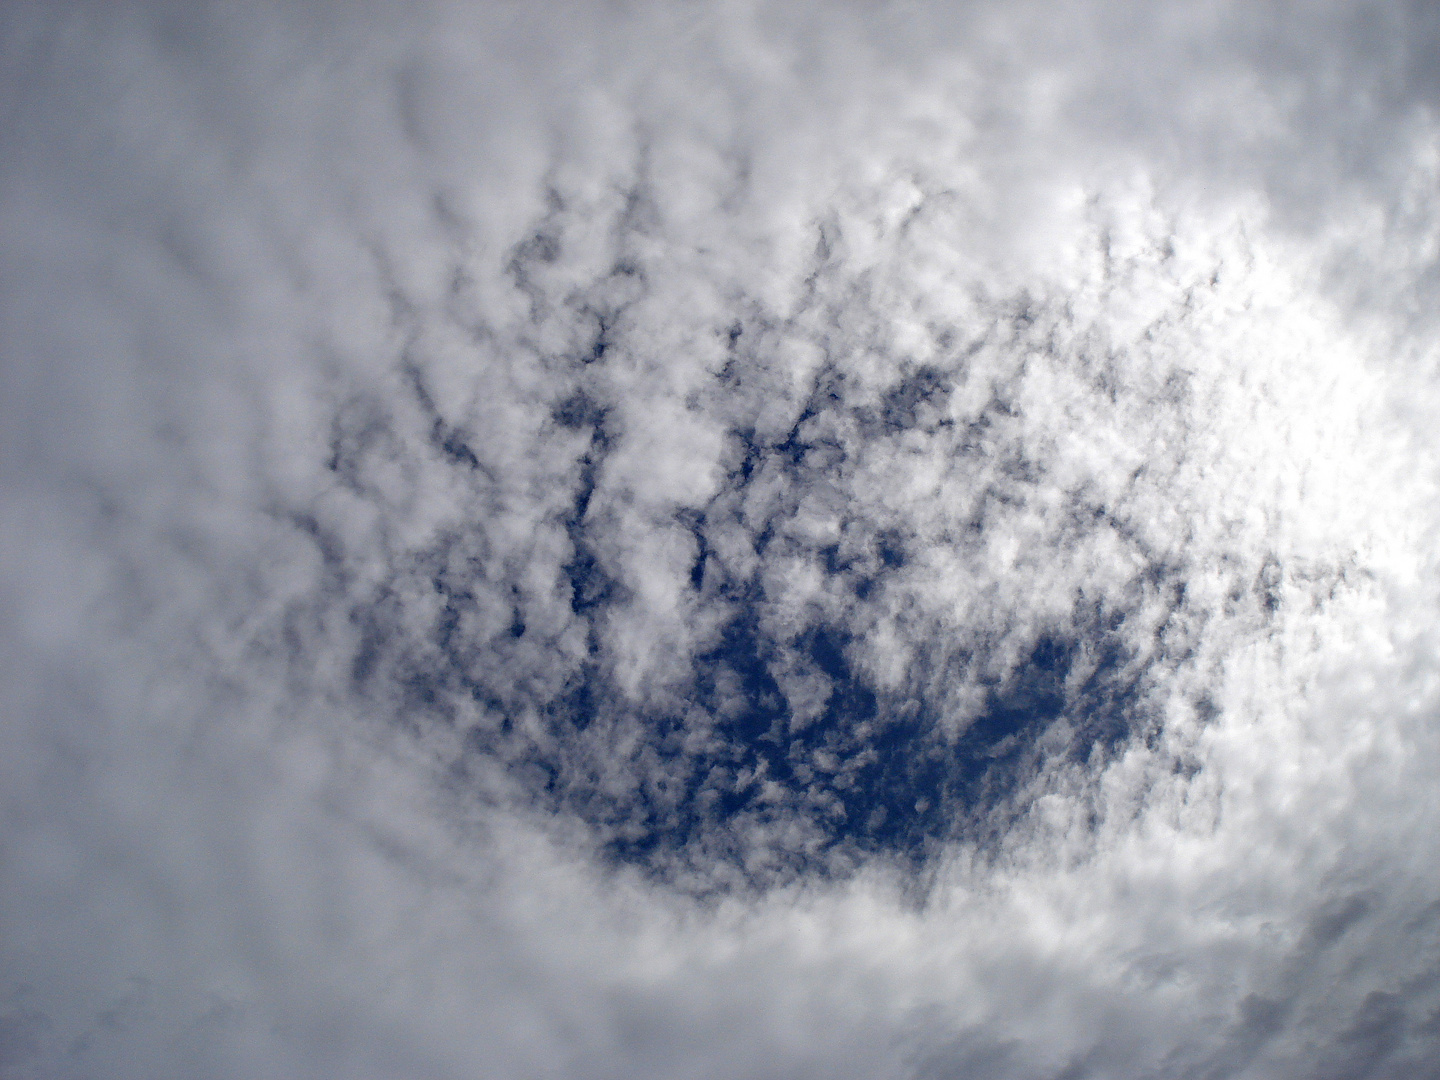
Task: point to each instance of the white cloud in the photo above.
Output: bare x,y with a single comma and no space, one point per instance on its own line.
441,443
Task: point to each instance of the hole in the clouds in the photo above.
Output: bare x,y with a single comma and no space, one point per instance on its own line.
580,704
761,742
784,761
833,561
905,405
806,761
891,551
590,586
693,521
778,757
577,412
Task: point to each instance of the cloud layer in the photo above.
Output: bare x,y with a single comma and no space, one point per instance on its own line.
718,542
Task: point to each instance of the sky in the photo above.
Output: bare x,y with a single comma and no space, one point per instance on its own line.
680,539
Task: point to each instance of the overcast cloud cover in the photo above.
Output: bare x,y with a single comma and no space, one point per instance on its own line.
719,540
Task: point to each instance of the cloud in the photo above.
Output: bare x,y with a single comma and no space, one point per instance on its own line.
847,542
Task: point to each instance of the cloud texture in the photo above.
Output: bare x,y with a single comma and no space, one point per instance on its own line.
662,540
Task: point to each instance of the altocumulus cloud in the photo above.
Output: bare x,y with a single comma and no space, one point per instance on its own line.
732,540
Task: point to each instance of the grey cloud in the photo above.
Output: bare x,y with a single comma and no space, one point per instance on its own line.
715,542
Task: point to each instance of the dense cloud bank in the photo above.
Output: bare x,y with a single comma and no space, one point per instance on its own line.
651,541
